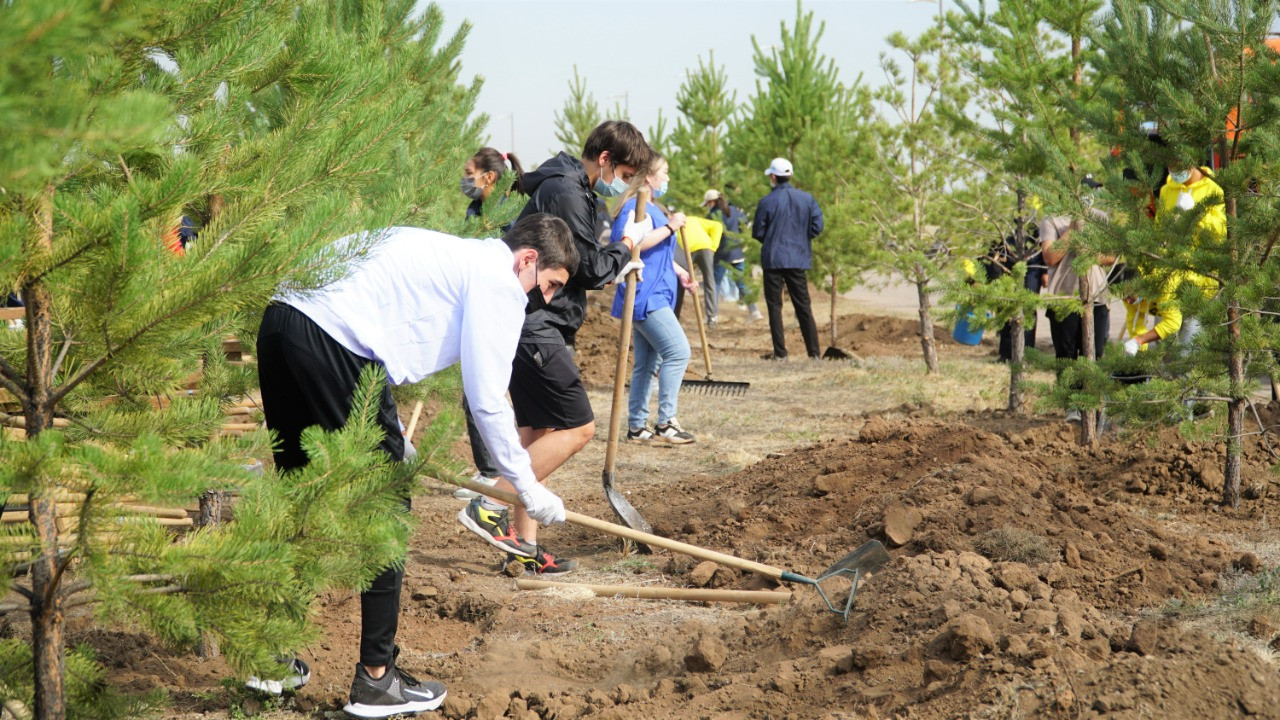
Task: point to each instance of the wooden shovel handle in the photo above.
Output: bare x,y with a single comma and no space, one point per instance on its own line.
643,537
624,342
697,306
665,593
413,421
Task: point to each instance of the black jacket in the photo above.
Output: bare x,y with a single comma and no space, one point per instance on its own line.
560,187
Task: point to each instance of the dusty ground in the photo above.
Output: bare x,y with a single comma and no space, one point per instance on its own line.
1029,578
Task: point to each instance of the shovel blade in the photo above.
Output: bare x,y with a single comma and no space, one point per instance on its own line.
865,560
626,512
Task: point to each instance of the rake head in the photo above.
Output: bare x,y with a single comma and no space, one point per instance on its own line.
856,565
715,387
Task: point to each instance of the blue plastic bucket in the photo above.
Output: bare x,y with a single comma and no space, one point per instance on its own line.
963,333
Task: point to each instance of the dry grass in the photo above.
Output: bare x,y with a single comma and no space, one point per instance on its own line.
1011,544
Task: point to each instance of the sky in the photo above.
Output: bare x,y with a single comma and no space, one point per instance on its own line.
637,54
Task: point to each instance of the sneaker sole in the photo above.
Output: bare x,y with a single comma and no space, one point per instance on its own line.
465,494
380,711
674,441
277,687
531,573
471,525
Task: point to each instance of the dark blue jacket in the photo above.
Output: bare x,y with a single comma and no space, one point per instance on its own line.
787,220
730,250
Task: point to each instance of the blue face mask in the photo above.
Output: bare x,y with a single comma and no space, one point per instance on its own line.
1180,177
662,190
613,189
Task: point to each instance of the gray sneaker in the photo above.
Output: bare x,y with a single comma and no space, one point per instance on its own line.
395,693
465,494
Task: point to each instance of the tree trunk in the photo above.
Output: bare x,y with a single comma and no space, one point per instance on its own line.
834,334
212,504
46,607
1017,354
1017,340
1235,408
1088,418
927,343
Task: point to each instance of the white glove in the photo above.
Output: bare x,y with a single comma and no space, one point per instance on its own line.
410,452
637,265
1131,347
637,230
1185,201
542,505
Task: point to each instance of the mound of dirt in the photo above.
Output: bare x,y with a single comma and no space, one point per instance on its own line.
1047,626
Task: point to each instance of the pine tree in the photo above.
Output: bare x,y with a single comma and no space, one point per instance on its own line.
581,114
1203,72
803,112
281,126
697,142
795,87
840,254
1028,60
921,232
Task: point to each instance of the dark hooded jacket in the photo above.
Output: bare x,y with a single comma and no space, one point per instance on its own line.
560,187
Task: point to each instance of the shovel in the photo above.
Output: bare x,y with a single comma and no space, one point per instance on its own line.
867,559
621,506
706,386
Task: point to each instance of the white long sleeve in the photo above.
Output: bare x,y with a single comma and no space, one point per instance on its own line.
418,302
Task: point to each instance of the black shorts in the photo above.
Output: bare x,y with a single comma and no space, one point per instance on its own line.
308,378
546,388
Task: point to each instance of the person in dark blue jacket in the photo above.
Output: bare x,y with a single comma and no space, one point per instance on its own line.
786,222
730,254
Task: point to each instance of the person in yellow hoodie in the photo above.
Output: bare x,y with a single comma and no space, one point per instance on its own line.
703,236
1185,190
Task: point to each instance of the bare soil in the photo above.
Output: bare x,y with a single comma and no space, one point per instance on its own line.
1029,577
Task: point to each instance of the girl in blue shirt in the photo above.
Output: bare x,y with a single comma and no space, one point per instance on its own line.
659,339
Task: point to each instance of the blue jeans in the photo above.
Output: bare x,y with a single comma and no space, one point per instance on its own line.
657,337
722,269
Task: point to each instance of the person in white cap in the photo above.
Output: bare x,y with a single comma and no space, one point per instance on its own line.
786,222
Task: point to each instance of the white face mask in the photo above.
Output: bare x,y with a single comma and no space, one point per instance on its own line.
1181,177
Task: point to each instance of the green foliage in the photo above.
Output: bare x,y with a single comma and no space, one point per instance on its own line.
696,145
278,127
580,115
1188,68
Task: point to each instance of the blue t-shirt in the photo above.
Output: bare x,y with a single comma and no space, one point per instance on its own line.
658,288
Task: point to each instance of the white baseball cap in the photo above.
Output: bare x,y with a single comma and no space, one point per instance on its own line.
780,167
710,195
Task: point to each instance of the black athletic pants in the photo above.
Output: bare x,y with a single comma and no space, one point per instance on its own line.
1006,339
308,379
797,282
479,453
1067,333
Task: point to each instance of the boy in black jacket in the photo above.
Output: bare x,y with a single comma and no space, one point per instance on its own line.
551,405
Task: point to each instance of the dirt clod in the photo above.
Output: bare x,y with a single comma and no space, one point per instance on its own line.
701,574
967,637
899,524
1247,562
707,655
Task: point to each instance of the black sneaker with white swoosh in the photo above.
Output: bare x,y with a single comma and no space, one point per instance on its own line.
395,693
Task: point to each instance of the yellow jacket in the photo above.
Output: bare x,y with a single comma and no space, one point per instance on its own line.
1213,224
702,233
1211,228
